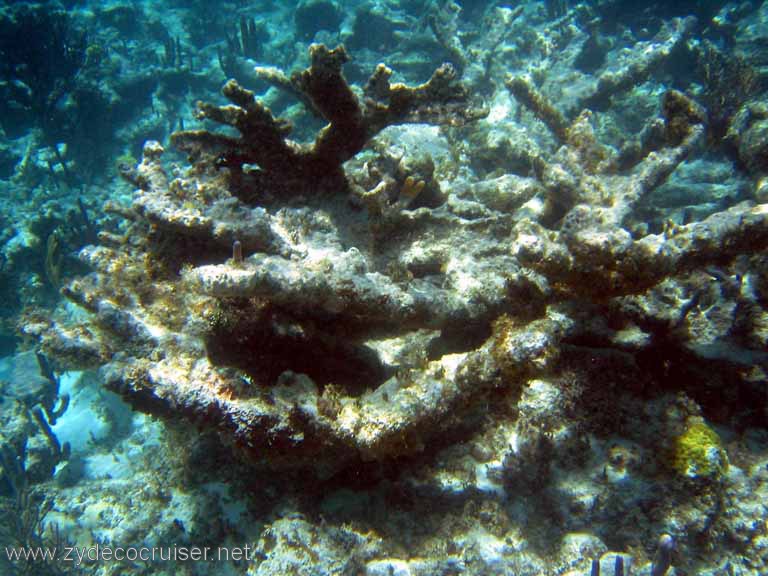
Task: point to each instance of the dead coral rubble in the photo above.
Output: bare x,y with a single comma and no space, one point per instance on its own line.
264,139
227,344
583,241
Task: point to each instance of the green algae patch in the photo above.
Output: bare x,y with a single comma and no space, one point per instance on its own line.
699,453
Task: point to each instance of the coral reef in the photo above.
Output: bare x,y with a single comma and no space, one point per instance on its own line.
386,330
288,351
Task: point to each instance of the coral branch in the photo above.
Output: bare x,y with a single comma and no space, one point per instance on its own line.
263,139
522,89
643,62
603,263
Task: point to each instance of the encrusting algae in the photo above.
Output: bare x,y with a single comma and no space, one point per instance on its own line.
699,452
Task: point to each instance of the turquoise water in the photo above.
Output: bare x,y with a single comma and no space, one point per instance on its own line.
383,288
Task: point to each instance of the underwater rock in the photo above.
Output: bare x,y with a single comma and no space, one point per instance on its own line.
311,16
17,458
387,568
29,405
295,545
751,126
761,191
375,28
697,189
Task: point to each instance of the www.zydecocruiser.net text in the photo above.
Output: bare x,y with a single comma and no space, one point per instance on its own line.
78,555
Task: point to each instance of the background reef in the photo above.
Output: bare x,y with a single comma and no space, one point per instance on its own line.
378,287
